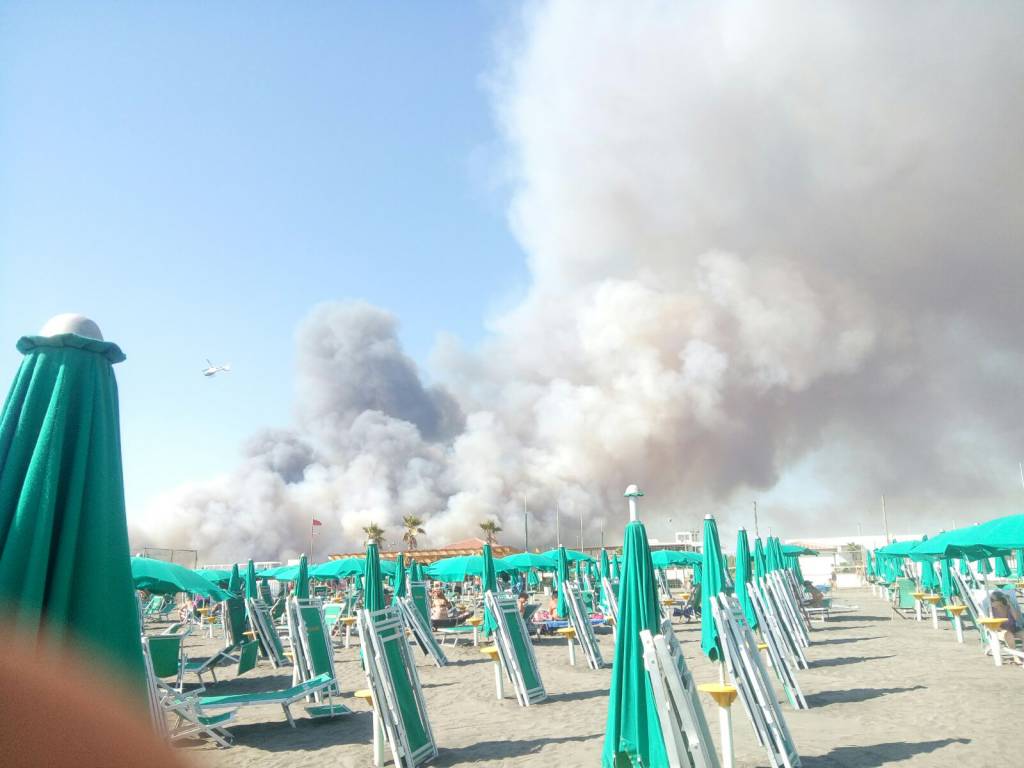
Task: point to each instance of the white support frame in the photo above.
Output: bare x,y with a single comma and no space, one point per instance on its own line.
502,608
580,621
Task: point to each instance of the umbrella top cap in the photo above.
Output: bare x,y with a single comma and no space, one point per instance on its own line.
69,322
633,490
709,516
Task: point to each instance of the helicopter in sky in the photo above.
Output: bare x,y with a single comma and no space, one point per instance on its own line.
212,369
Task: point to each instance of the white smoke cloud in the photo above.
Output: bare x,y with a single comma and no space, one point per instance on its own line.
772,247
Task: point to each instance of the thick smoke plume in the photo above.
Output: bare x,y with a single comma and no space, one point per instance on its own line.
776,252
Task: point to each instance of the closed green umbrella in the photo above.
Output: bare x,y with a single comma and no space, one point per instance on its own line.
488,583
416,571
235,581
579,574
1002,569
869,566
532,579
946,580
302,579
713,578
929,581
965,569
252,589
398,580
163,578
64,558
633,733
562,574
615,568
984,566
793,563
373,596
760,563
743,577
603,572
1020,563
359,579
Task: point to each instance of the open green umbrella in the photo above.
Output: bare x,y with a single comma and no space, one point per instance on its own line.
373,596
218,576
460,568
633,732
163,578
302,579
1002,569
398,580
489,583
341,568
571,555
713,578
524,560
64,558
668,558
252,589
562,574
743,577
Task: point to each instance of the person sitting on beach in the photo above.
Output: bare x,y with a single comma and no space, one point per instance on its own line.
1004,608
553,603
816,598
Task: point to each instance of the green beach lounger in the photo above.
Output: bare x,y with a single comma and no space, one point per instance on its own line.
284,698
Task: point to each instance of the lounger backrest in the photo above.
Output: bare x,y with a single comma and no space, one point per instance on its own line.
165,653
248,656
235,611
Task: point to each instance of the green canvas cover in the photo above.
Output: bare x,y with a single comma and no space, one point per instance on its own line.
64,558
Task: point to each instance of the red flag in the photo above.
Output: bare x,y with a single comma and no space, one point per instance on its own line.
316,522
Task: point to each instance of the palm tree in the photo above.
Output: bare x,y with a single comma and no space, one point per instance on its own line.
490,528
374,533
413,528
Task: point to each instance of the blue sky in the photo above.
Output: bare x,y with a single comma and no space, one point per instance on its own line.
195,177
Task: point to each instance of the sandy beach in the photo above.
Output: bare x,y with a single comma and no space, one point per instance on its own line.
882,692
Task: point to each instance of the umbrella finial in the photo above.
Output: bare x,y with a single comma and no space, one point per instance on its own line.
70,322
709,516
632,493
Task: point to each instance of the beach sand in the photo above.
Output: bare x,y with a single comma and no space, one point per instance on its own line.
882,692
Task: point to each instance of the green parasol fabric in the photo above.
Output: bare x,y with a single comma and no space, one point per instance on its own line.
416,571
929,581
797,550
64,558
373,596
869,566
218,576
562,575
571,555
743,577
462,567
965,569
713,578
1002,569
578,576
398,580
995,537
532,579
615,568
793,563
946,580
668,558
1020,563
163,578
235,581
984,566
525,560
338,569
603,572
633,732
252,589
302,579
359,579
760,563
488,583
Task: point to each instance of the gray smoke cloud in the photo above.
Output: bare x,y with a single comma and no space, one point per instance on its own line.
775,252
